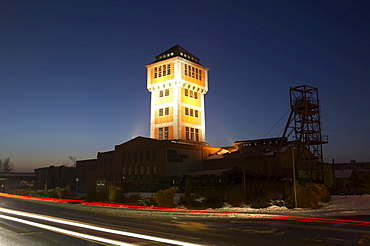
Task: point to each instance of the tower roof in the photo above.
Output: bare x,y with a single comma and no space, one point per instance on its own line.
177,50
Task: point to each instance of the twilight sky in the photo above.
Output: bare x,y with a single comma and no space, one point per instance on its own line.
73,76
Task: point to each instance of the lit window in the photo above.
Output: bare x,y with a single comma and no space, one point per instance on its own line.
166,132
124,171
129,171
155,170
142,170
186,69
160,133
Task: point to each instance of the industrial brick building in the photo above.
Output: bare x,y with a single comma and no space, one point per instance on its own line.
177,148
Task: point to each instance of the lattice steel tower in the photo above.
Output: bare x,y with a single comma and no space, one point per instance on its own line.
305,125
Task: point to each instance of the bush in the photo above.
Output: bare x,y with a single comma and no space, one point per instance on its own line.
61,192
257,196
236,196
309,196
165,198
146,202
112,193
51,193
208,199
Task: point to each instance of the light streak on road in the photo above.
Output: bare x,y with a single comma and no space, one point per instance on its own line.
96,228
67,232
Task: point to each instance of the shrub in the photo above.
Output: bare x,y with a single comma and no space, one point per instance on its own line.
208,199
164,198
51,193
146,202
257,196
309,196
132,199
112,193
61,192
236,196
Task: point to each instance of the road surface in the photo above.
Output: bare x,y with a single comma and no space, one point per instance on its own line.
86,225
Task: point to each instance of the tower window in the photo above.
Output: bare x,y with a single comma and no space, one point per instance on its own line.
162,70
165,93
192,134
163,133
160,133
191,93
186,69
166,132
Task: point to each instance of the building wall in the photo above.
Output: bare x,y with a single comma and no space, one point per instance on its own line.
142,162
86,172
177,99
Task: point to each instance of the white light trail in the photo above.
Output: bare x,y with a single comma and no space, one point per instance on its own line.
86,226
67,232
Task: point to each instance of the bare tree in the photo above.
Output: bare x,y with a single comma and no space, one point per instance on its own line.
71,160
6,166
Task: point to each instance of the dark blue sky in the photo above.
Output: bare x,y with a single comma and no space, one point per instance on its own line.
73,76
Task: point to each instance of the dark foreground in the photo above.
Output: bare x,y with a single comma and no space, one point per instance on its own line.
138,227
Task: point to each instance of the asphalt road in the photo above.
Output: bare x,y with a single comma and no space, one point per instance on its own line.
137,227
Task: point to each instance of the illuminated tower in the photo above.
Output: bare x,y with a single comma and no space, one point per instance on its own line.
177,82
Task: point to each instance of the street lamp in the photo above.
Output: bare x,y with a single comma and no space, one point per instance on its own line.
294,181
77,179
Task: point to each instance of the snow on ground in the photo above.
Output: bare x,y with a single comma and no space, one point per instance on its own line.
338,206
